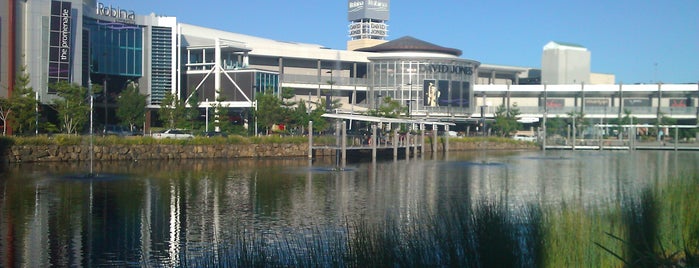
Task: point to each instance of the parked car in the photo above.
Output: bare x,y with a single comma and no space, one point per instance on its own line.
215,134
173,134
520,137
116,130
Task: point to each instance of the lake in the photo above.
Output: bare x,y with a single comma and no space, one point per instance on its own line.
289,212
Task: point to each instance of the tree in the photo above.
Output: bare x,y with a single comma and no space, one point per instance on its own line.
287,96
192,111
389,108
72,107
131,106
577,119
172,111
4,113
290,114
555,125
269,110
627,119
506,121
301,115
221,118
319,122
21,109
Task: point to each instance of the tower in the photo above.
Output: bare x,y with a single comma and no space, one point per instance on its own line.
565,63
367,25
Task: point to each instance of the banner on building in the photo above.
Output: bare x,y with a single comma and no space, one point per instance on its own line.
681,102
60,42
553,103
597,102
636,103
432,93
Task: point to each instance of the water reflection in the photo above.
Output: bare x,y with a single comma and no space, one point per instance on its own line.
166,212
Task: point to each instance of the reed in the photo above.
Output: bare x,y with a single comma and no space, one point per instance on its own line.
656,228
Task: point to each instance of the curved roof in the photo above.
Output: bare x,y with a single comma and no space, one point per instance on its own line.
409,43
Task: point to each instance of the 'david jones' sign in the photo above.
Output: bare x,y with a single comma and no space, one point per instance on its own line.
117,13
445,68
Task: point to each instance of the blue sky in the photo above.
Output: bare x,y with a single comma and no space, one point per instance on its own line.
640,41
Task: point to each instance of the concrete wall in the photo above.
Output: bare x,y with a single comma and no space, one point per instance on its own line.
602,79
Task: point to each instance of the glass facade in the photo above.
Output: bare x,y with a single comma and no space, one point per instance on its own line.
161,59
425,85
265,81
116,48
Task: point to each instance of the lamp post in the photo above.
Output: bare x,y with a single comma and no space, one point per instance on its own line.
104,89
483,106
207,115
410,99
546,110
36,110
104,94
328,97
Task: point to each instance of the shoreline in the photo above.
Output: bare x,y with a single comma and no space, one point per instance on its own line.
71,153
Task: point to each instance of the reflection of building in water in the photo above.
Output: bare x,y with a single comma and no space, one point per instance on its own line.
157,218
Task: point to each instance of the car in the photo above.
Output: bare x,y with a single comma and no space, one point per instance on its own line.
521,137
116,130
173,134
215,134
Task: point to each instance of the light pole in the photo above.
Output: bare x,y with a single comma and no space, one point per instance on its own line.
104,89
328,97
546,110
36,106
410,99
483,106
104,94
207,115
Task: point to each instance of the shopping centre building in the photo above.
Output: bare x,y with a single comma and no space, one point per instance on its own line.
87,42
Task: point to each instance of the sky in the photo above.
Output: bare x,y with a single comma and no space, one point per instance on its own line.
639,41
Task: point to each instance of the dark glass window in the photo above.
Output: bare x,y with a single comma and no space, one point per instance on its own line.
116,48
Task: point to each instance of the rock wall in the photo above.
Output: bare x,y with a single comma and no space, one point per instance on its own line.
49,153
56,153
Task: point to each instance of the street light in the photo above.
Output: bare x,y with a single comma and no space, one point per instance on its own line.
104,94
328,98
36,110
483,107
207,114
410,99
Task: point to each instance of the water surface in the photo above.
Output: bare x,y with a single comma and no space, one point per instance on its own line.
166,213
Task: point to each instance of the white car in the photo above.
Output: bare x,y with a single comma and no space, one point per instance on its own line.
520,137
173,134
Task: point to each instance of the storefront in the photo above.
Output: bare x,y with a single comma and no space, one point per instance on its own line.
429,79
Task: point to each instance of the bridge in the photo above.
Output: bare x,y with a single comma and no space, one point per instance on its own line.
384,135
